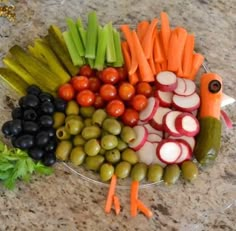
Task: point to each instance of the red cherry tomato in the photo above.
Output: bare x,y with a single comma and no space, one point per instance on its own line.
94,84
85,98
108,92
80,83
66,92
130,117
144,88
115,108
126,91
110,75
99,102
123,73
139,102
86,70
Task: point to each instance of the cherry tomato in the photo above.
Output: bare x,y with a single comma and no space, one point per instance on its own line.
144,88
66,92
94,84
130,117
99,102
115,108
80,83
139,102
85,98
123,74
108,92
110,75
126,91
86,70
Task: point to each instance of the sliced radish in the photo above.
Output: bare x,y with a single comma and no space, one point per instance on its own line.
186,152
156,160
226,119
157,120
166,81
168,151
146,153
141,137
186,103
181,86
190,87
226,100
149,111
153,130
169,122
187,124
164,97
154,138
190,140
195,112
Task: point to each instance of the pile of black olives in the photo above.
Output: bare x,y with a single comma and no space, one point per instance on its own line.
31,127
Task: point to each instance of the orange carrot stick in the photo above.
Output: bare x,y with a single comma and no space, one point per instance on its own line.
144,68
147,41
164,66
165,32
128,35
197,62
146,211
141,29
116,204
159,55
110,194
134,198
158,67
151,59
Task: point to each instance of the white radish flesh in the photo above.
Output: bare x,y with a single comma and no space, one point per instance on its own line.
156,160
169,122
190,87
181,86
190,140
186,152
149,111
153,130
141,137
165,97
146,153
154,138
157,120
166,81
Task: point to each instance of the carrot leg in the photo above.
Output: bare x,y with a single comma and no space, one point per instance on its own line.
110,194
134,198
146,211
116,204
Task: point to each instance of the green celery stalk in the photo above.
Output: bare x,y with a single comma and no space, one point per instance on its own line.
119,56
75,36
83,34
111,52
92,34
76,59
101,48
79,23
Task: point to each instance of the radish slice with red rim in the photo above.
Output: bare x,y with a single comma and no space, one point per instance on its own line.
166,81
190,87
146,153
169,123
165,97
153,130
181,86
190,140
186,152
156,160
149,111
154,138
141,137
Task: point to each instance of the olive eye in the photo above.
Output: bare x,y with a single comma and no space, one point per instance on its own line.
214,86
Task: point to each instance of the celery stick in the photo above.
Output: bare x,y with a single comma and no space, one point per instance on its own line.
92,34
111,52
119,56
83,34
101,48
75,36
79,23
76,59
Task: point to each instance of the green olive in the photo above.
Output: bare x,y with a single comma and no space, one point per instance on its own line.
77,155
99,116
127,134
171,174
63,150
109,142
92,147
112,126
59,119
87,112
121,145
102,151
72,108
91,132
129,155
62,133
122,169
88,122
106,172
78,140
189,170
77,117
94,162
112,156
139,172
155,173
74,126
103,133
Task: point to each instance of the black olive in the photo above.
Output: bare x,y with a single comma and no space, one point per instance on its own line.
51,132
30,114
12,128
214,86
50,146
36,153
30,101
34,90
21,100
47,108
41,139
24,141
49,159
45,96
17,113
46,121
60,105
30,127
7,128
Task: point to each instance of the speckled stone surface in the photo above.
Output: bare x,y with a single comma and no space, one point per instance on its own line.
66,202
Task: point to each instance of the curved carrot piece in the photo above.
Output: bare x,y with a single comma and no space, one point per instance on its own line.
141,29
111,193
158,67
165,32
146,211
134,198
197,62
159,55
172,65
116,204
210,102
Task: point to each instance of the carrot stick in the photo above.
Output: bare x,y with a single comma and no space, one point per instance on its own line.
158,67
133,78
165,32
197,62
147,41
146,211
151,59
116,204
164,66
128,35
144,68
134,198
141,29
110,194
159,55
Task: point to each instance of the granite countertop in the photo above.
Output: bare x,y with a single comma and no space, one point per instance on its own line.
64,201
